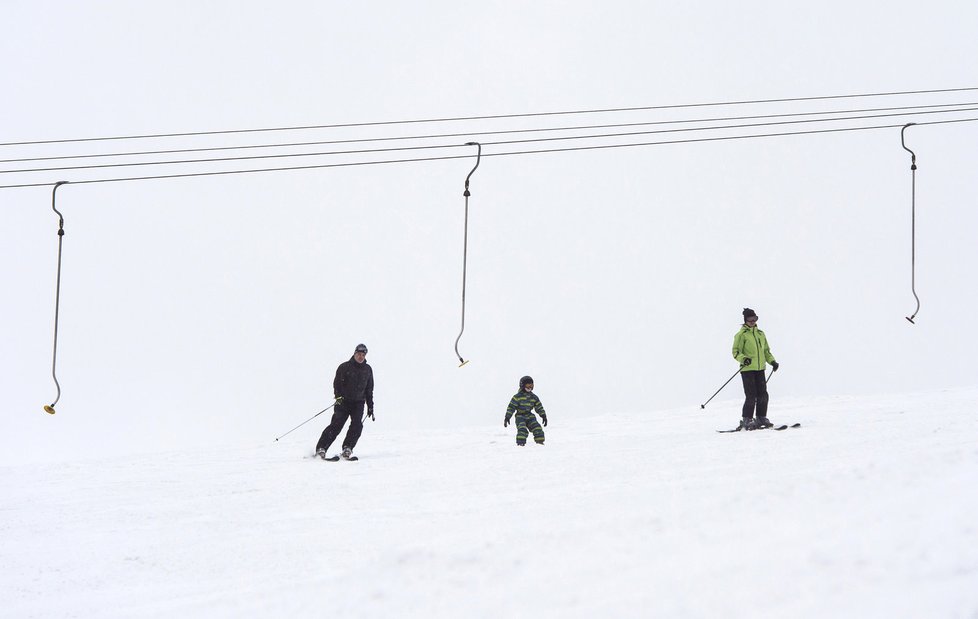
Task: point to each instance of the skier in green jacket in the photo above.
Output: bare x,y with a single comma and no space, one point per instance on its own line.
523,404
751,350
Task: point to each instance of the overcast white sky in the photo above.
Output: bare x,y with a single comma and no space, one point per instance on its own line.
216,309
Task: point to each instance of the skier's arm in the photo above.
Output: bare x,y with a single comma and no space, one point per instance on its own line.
370,392
511,409
539,408
768,355
738,354
338,382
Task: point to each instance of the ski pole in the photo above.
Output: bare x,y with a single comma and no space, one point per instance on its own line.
335,402
703,405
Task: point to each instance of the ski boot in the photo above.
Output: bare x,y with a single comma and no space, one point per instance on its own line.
762,422
746,424
321,453
348,454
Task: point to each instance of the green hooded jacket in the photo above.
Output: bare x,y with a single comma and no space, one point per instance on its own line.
750,342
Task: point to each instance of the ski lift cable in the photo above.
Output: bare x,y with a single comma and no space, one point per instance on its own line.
493,117
480,133
499,143
500,154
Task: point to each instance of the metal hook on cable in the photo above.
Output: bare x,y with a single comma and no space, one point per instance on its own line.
465,246
913,221
49,409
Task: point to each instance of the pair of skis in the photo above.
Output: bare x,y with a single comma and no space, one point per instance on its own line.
781,427
335,458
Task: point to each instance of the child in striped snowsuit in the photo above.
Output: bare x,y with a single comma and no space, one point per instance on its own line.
522,405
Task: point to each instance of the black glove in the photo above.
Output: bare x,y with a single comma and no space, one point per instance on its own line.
774,364
544,419
746,361
339,400
370,414
506,422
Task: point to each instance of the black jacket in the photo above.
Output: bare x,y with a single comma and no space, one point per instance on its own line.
355,381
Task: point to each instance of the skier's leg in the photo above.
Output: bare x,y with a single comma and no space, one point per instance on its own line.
521,432
333,429
762,397
535,427
356,425
750,394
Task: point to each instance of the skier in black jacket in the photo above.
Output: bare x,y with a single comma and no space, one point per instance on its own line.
353,387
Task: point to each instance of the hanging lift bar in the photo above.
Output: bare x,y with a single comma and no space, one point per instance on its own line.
465,246
49,409
913,221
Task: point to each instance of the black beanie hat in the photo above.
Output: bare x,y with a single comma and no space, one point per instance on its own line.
748,312
526,380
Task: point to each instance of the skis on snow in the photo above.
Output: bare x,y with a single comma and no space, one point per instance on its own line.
781,427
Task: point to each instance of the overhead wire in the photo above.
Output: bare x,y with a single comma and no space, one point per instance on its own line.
492,117
498,143
481,133
502,154
724,138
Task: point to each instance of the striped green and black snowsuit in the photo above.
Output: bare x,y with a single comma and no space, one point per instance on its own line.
523,404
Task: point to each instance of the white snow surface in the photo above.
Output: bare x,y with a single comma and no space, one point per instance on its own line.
868,510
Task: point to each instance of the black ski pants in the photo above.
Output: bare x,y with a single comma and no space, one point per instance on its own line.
349,408
755,392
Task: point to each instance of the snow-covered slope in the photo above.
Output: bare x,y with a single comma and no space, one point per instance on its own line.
869,510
